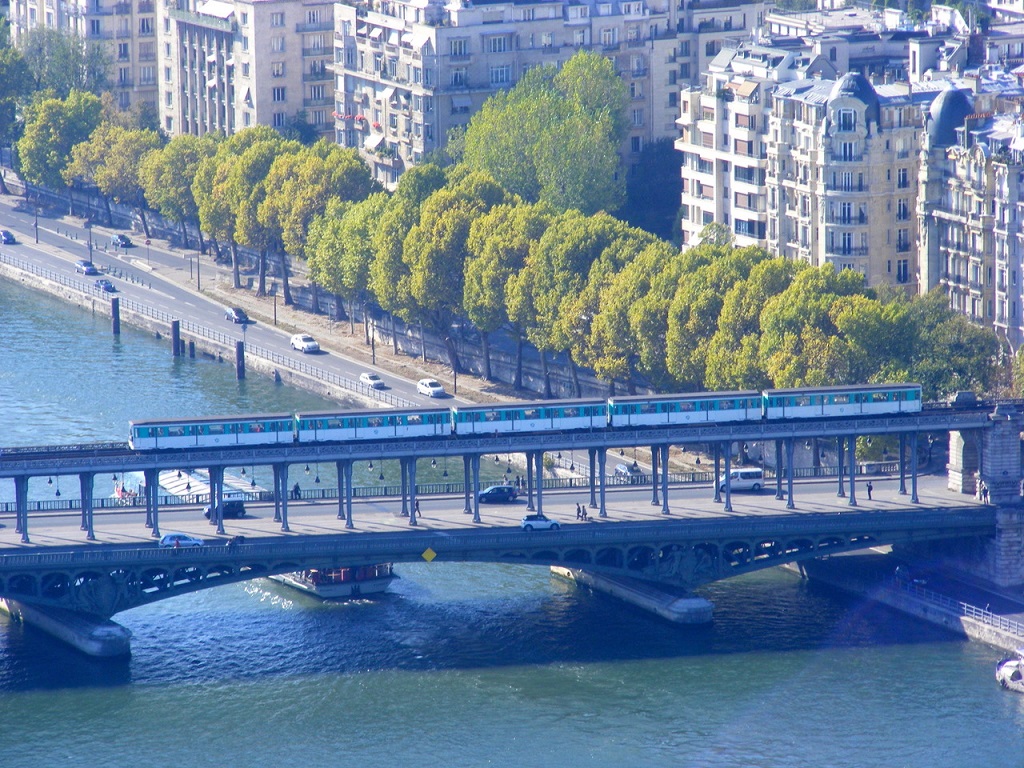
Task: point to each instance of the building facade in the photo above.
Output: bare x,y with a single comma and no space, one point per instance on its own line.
128,29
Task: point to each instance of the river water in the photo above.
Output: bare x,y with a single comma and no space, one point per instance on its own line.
460,665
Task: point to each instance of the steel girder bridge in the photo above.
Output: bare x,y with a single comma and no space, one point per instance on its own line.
103,580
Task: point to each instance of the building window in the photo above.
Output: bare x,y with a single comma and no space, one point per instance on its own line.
245,69
902,210
501,75
122,51
497,44
638,117
94,27
278,93
848,150
636,144
279,119
609,36
902,179
146,26
277,19
458,77
245,42
277,69
902,271
277,44
847,120
459,47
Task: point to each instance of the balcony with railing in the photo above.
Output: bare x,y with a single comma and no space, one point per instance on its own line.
315,26
841,186
837,251
851,220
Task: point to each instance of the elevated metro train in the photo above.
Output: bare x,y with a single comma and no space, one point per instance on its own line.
545,416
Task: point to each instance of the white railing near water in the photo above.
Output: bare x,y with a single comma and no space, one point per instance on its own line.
84,286
960,608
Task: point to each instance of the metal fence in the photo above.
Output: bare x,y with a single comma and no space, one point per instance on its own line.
86,287
959,608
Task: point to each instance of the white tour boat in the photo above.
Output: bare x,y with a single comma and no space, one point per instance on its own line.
341,583
1010,672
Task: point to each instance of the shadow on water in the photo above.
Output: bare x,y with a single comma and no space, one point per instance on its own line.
451,618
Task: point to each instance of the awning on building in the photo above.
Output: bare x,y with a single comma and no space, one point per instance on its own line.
393,37
387,94
419,39
216,8
462,102
373,141
375,33
211,59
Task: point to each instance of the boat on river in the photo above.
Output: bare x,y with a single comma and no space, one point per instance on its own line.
1010,672
341,583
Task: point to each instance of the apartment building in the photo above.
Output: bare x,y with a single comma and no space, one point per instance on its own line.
126,27
226,66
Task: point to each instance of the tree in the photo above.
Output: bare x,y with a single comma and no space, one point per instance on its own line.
15,85
110,159
499,243
167,176
555,136
52,127
340,248
63,62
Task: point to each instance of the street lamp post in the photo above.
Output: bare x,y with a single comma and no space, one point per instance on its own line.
35,224
89,225
373,345
147,251
199,281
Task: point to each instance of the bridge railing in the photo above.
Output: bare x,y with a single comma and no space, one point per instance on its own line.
959,608
452,488
85,285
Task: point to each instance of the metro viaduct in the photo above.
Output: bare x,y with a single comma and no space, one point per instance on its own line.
103,580
100,581
88,461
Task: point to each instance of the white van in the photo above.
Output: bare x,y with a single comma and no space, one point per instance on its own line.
745,479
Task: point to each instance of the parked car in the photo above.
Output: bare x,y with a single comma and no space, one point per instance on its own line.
236,315
430,388
538,522
7,237
121,241
499,494
180,541
231,510
105,285
625,473
303,342
371,380
86,267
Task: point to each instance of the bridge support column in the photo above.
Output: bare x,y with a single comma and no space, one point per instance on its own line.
717,473
778,470
529,483
152,477
664,479
789,473
903,463
403,472
1000,457
728,480
964,462
592,456
476,488
538,465
86,481
348,495
467,463
602,460
217,498
21,508
410,472
281,478
654,476
280,492
913,467
840,469
853,469
339,468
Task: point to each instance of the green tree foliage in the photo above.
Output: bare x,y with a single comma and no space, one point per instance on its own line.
110,158
167,176
62,62
15,85
435,250
52,127
555,136
499,243
340,247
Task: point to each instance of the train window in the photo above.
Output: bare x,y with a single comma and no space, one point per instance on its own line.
570,413
176,431
531,413
414,418
375,421
841,399
686,406
492,416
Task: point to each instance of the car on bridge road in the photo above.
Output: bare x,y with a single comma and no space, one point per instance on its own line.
236,315
430,388
7,237
499,494
538,522
86,267
180,541
371,380
304,343
105,285
233,509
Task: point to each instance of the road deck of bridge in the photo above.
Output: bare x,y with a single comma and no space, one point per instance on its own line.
127,525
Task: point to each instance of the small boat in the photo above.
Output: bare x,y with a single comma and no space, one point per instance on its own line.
341,583
1010,672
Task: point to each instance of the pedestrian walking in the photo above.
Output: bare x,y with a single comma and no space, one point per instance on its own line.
870,489
416,506
579,512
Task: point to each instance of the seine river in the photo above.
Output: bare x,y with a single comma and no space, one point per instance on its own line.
461,665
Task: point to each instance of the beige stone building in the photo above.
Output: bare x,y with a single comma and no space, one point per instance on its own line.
127,27
226,66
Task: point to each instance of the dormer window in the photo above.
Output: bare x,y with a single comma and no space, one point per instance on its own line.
847,120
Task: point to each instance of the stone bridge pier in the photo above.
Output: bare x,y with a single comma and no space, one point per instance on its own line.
986,463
